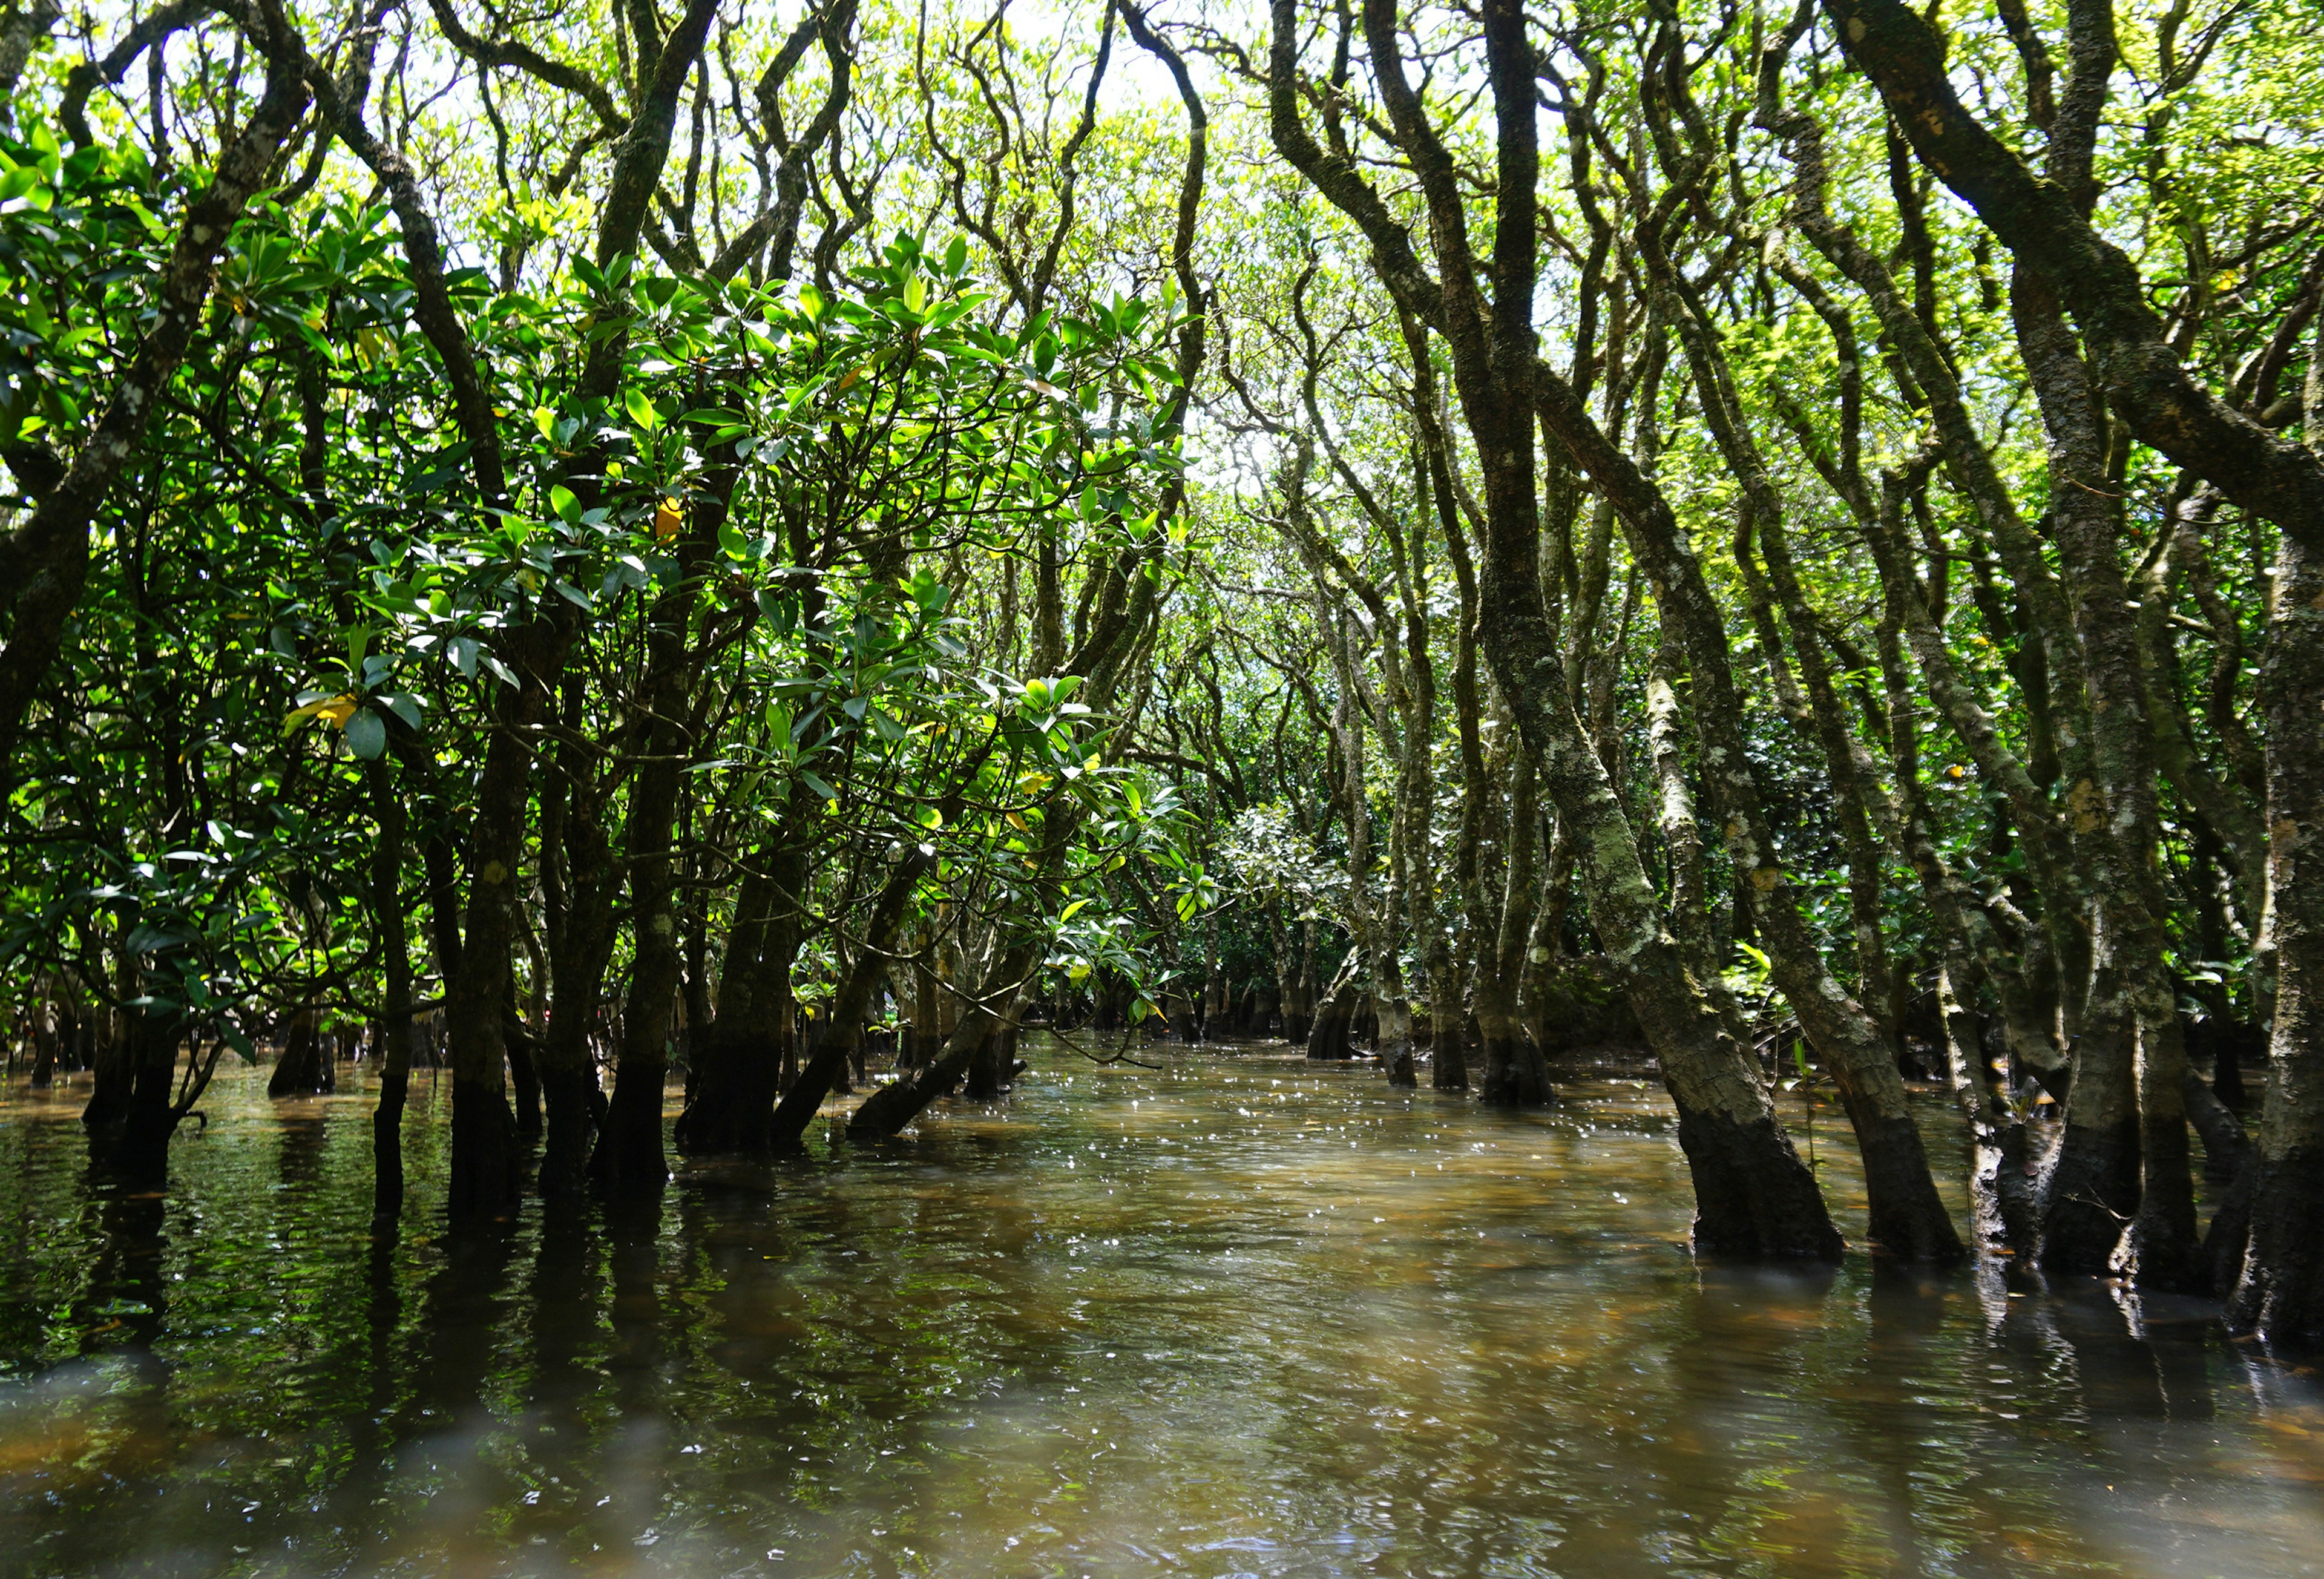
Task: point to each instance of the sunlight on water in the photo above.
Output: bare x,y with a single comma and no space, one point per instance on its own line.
1241,1315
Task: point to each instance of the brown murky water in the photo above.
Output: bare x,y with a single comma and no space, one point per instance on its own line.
1240,1316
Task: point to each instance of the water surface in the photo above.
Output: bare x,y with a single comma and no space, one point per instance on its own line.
1238,1314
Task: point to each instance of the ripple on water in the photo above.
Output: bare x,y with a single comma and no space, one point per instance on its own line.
1236,1315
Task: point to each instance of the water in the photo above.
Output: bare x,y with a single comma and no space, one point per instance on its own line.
1236,1316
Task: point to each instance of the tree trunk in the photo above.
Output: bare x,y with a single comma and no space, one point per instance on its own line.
887,1111
629,1156
304,1068
580,947
2090,1182
524,1073
395,1004
2116,818
2226,1147
44,1048
745,1049
2280,1295
845,1021
1517,1074
139,1152
2004,1212
482,1183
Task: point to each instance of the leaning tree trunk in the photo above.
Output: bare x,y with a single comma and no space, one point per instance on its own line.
1329,1029
1907,1217
2004,1214
987,1029
844,1023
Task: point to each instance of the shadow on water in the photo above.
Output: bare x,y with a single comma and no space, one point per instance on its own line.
1238,1315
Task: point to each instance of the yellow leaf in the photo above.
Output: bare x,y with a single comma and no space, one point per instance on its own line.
337,709
665,521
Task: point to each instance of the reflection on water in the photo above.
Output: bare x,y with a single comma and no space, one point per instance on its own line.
1237,1316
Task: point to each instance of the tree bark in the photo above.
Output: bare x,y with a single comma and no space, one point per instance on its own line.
2280,1295
739,1079
844,1025
2115,815
304,1068
395,1001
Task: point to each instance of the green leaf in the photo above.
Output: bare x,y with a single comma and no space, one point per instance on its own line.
366,734
403,706
640,409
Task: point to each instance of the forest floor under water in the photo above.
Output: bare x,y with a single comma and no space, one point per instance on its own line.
1236,1314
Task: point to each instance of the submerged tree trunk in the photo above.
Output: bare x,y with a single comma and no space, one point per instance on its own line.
580,947
2089,1181
1299,988
483,1177
2280,1295
1517,1073
2115,815
44,1046
395,1002
1753,1196
111,1075
844,1024
305,1067
629,1156
1329,1031
1907,1216
983,1031
731,1108
2004,1212
139,1152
